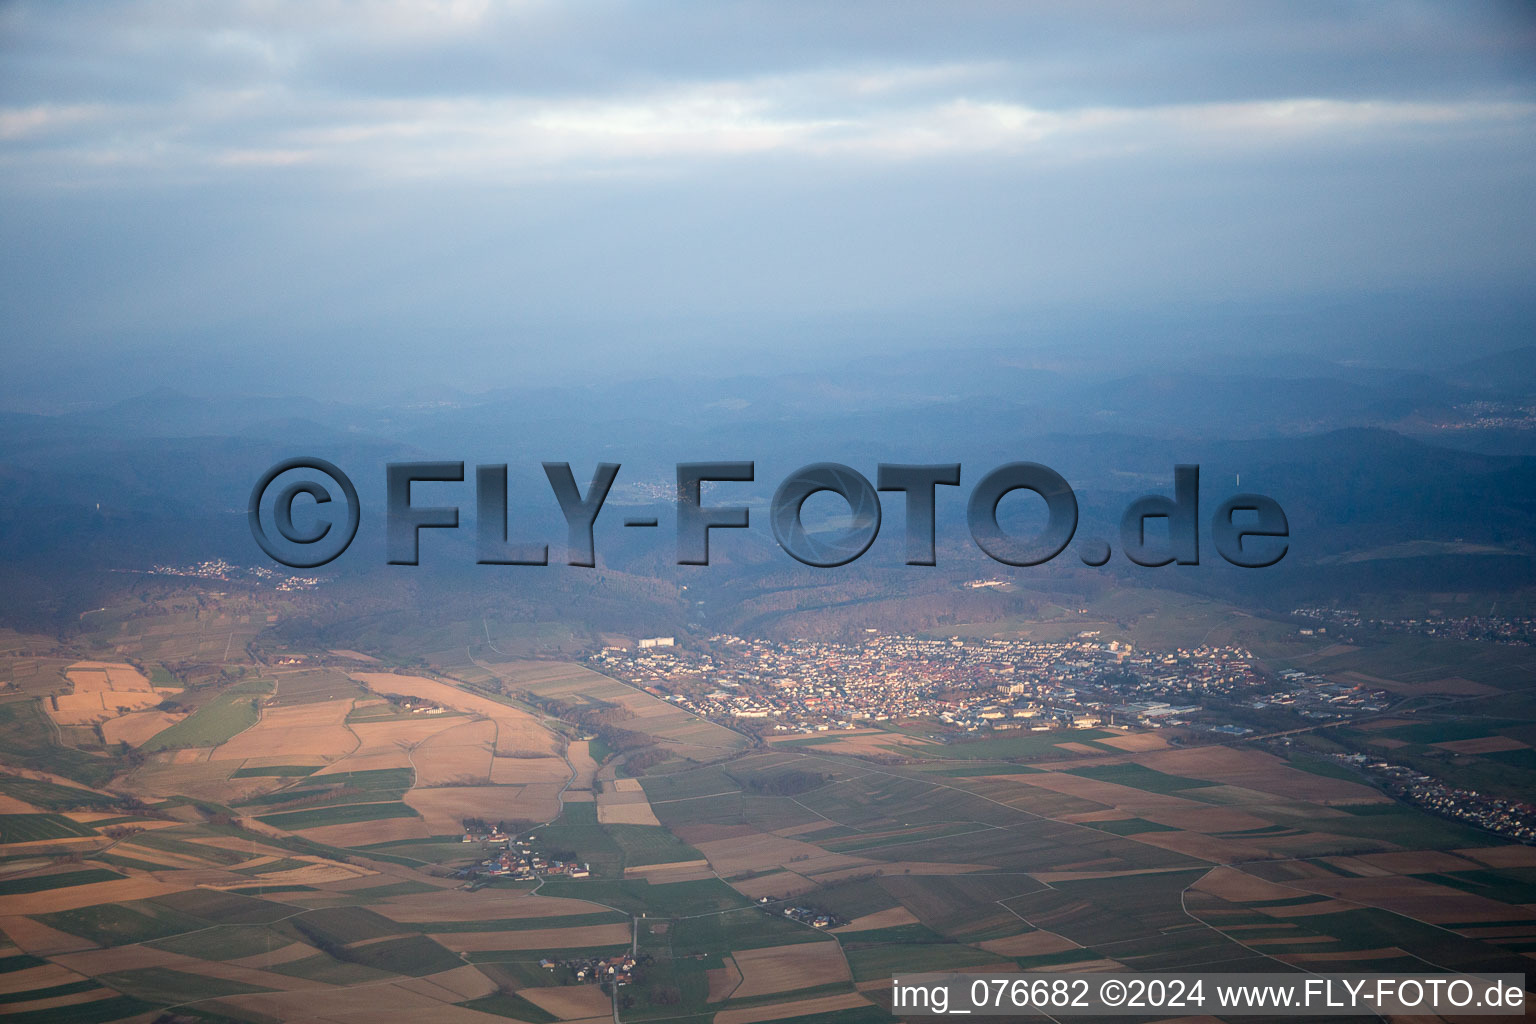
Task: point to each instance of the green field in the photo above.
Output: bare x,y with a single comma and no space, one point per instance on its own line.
111,1007
225,942
338,788
58,880
344,814
883,961
276,771
50,796
340,926
68,988
28,828
505,1004
635,896
172,841
215,722
217,907
577,832
649,844
164,985
19,962
329,971
751,928
414,956
437,850
27,738
116,924
1131,826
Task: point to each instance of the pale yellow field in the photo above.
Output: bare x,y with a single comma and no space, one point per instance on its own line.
116,891
518,771
1415,898
313,874
581,760
37,977
138,726
625,814
39,939
445,809
570,1002
1416,862
1253,769
1482,745
1511,856
453,986
138,957
102,690
802,1008
785,968
355,656
297,729
674,726
861,742
1079,748
881,919
1240,887
1199,845
760,851
1033,943
722,980
679,871
516,731
462,752
113,675
205,781
778,885
388,744
1135,741
85,708
1162,808
361,1004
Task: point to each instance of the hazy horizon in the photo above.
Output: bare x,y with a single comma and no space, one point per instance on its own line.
288,199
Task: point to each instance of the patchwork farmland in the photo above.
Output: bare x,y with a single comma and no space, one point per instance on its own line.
295,848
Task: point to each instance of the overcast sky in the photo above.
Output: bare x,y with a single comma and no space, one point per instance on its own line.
528,190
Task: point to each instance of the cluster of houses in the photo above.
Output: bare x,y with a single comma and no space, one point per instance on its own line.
974,685
1503,629
1315,696
519,860
805,915
615,970
1513,819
